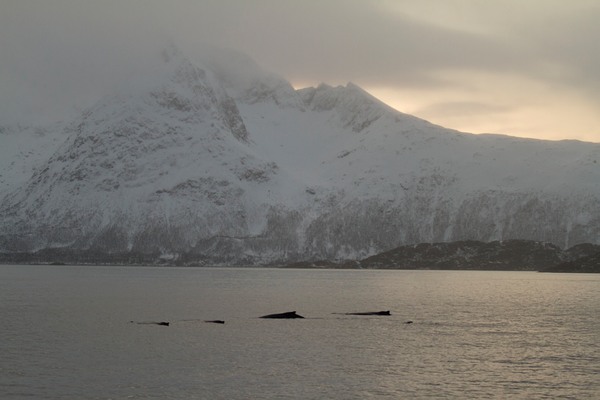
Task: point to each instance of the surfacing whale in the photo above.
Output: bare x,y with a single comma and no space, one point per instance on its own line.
369,313
285,315
161,323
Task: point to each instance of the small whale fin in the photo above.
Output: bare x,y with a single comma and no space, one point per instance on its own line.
285,315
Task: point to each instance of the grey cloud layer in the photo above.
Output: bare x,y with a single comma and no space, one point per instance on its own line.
62,52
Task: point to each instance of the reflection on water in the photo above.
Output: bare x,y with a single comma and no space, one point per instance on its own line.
67,334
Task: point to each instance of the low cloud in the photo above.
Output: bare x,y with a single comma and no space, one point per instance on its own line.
64,53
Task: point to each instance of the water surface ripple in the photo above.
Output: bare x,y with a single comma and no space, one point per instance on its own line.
67,334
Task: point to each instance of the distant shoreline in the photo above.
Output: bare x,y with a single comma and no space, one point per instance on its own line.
509,255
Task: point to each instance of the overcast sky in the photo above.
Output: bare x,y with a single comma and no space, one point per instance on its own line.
520,67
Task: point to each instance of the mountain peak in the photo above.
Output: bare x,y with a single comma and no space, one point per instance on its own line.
245,80
170,52
356,107
174,87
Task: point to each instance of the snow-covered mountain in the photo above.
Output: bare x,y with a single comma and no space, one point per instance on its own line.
226,163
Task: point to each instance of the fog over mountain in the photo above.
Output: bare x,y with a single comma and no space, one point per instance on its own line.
211,157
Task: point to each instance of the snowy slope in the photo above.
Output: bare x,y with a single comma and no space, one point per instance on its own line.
226,163
383,178
22,150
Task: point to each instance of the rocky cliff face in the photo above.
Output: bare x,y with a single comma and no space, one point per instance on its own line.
220,162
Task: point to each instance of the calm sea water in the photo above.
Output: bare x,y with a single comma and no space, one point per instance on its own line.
66,334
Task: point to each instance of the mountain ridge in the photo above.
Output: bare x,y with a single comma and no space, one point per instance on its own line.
226,162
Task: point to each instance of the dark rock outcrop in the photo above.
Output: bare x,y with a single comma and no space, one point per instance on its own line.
589,264
515,255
